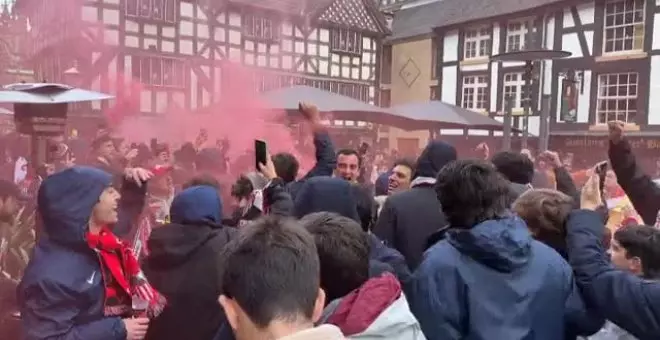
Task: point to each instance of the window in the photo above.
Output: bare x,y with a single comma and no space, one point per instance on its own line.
346,41
261,28
157,71
617,97
160,10
475,92
624,26
514,86
516,32
477,43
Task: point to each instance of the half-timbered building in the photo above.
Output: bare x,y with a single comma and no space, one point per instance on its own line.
408,67
615,63
179,50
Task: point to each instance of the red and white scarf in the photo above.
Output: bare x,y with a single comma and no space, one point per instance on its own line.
122,277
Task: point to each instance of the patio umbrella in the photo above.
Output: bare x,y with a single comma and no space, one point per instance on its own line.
339,106
44,93
445,115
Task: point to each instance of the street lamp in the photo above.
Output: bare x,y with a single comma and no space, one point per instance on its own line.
529,57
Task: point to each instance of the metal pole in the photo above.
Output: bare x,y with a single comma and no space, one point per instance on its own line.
506,133
529,68
544,128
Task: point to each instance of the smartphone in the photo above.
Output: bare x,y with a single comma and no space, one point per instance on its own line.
259,153
601,170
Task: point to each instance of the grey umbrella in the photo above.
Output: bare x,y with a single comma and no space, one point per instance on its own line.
44,93
340,106
445,115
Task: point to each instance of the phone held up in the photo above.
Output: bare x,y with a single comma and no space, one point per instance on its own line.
601,170
259,152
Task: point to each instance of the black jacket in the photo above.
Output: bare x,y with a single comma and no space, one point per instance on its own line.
183,266
643,193
408,218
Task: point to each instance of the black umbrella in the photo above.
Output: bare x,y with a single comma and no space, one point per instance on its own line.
437,114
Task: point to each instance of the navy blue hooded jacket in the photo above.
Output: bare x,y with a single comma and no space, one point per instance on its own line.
337,195
62,295
182,265
627,300
494,281
408,218
326,160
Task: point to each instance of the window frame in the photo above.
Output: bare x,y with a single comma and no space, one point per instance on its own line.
518,85
178,71
335,41
475,86
520,33
602,97
612,28
477,35
170,7
252,23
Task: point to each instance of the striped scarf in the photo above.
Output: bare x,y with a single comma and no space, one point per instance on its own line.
127,291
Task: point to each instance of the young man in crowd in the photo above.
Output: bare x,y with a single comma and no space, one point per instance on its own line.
339,196
408,218
635,249
623,290
182,265
81,280
348,165
287,165
104,154
362,307
271,283
489,279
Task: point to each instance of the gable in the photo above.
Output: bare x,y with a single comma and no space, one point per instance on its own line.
351,13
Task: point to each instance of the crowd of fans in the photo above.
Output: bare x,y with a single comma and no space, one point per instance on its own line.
144,243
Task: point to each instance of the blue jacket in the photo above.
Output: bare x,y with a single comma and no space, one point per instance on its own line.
338,196
621,297
61,295
494,281
326,160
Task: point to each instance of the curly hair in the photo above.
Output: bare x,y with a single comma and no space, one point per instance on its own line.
545,211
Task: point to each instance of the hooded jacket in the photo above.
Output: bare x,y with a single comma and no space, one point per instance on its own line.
408,218
376,310
494,281
625,299
337,195
182,266
62,294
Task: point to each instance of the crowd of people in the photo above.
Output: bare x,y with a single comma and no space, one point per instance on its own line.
130,247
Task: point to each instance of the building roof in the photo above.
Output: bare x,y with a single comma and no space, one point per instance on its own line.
420,20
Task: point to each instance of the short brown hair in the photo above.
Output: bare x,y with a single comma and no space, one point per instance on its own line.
545,211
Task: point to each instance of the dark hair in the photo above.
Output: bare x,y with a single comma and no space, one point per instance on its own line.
100,140
242,187
286,166
644,242
272,270
343,251
348,152
515,167
471,192
203,179
407,163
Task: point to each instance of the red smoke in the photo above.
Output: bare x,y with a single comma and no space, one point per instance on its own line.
240,116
